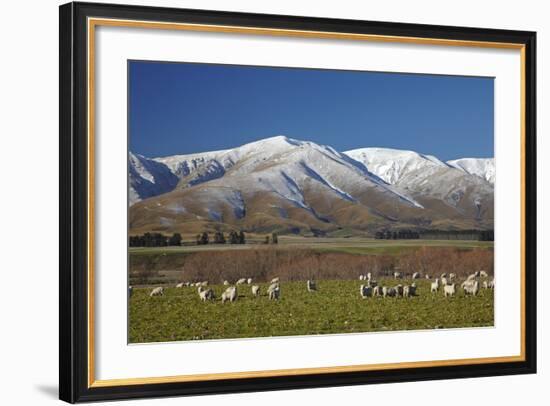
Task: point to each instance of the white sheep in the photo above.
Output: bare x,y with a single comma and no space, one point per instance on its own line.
249,281
180,285
241,281
399,290
361,277
452,277
255,290
205,294
483,274
397,275
274,291
435,286
449,290
444,281
384,291
443,275
311,286
365,291
226,283
377,291
369,276
406,291
471,288
158,291
275,280
416,275
230,294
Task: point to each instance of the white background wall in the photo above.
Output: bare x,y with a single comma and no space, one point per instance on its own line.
29,189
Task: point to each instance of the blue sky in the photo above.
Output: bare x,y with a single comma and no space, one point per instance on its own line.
180,108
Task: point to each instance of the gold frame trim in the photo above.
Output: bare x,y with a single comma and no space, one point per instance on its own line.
94,22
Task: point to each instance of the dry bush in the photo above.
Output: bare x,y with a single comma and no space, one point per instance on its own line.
263,264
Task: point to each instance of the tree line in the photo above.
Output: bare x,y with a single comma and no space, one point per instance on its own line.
477,235
204,238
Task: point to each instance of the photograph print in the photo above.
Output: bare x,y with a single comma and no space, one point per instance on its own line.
273,201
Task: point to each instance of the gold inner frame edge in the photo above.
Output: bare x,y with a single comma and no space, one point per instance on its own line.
94,22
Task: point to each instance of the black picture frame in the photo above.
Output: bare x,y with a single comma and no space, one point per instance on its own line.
74,199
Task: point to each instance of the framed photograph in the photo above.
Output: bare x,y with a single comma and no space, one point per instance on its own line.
258,202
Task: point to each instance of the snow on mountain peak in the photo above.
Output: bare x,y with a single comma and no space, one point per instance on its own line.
481,167
392,164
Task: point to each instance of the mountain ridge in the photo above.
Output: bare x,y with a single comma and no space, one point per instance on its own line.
284,184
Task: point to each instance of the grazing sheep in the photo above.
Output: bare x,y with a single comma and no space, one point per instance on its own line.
241,281
130,291
435,286
249,281
203,283
226,283
180,285
452,277
406,291
366,291
158,291
471,288
205,294
416,275
449,290
391,292
311,286
397,275
274,291
275,280
377,291
230,294
398,290
255,290
483,274
384,291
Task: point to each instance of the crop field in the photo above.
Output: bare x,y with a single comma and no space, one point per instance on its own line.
336,307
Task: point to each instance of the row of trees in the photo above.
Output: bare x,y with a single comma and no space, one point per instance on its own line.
479,235
155,240
397,235
219,238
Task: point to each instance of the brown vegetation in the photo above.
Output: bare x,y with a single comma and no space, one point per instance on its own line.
264,263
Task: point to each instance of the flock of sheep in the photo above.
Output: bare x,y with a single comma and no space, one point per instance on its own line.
471,287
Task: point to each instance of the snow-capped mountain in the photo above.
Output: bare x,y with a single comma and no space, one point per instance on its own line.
148,178
482,167
284,184
392,164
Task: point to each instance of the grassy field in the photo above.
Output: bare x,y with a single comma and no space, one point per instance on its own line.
336,308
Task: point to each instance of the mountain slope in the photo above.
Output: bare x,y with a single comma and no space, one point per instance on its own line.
148,178
287,185
482,167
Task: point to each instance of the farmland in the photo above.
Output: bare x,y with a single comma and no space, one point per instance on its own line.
335,308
